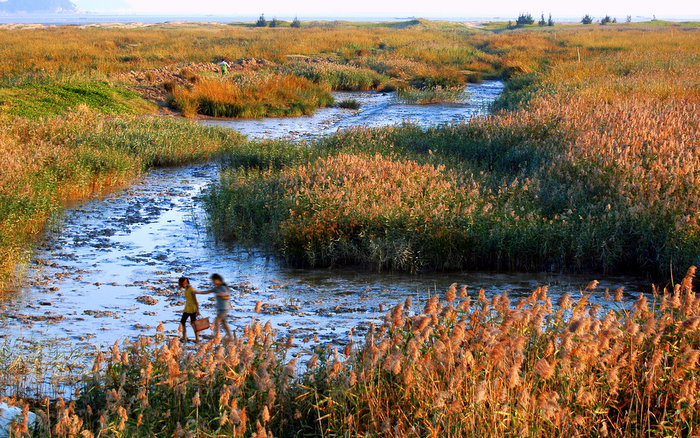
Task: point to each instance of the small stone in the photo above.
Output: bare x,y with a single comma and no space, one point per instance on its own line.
145,299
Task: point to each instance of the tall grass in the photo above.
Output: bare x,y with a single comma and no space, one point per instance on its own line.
340,77
50,161
473,366
252,97
431,95
347,209
593,168
108,51
460,364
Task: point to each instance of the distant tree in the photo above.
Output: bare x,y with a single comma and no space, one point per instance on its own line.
274,22
261,21
510,24
524,19
550,22
614,20
587,19
296,23
605,20
542,21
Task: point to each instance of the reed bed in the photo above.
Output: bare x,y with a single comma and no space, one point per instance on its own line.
347,209
459,364
432,95
347,53
339,56
252,97
340,77
592,166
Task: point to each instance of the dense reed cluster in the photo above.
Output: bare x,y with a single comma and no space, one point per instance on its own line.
348,209
339,77
593,167
252,97
436,94
453,365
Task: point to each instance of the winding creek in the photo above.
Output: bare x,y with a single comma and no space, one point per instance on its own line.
106,270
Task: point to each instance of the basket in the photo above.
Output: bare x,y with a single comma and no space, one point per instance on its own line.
200,324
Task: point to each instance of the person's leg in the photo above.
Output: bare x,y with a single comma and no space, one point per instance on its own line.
228,329
223,316
193,318
216,326
183,327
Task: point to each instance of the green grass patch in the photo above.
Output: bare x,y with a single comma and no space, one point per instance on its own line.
46,99
431,95
351,104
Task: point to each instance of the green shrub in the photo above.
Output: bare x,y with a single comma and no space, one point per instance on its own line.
431,95
352,104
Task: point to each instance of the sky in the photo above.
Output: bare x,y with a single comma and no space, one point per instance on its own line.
399,8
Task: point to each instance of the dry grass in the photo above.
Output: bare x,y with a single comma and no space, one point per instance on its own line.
103,51
348,209
455,365
252,97
594,168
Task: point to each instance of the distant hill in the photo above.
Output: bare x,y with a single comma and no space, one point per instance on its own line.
35,6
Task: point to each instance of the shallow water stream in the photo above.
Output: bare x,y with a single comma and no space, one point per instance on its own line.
107,269
377,109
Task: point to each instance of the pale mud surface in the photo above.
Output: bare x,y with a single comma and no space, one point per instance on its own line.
108,268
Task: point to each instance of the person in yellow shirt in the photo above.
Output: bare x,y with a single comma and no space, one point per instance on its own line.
191,308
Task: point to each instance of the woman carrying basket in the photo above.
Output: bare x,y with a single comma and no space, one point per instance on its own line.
191,308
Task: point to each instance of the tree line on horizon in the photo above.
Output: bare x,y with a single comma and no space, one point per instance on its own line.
262,22
525,19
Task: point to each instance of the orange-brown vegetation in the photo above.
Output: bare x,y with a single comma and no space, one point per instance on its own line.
462,365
